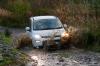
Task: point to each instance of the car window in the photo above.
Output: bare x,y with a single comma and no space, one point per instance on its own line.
46,24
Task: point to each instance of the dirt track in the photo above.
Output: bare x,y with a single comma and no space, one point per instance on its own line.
72,57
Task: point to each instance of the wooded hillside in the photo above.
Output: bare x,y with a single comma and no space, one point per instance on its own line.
72,12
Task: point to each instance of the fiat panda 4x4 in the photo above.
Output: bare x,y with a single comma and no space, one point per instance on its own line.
43,27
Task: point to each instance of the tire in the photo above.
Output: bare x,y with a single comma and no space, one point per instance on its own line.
45,47
33,45
41,47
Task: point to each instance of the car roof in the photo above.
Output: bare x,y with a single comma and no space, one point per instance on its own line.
43,17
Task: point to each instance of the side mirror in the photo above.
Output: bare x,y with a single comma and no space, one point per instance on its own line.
27,28
65,26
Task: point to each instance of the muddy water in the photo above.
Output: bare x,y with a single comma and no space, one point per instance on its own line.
43,58
63,58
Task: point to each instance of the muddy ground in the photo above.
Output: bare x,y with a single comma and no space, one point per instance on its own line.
72,57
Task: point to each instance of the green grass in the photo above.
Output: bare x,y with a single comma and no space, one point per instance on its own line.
6,61
7,40
9,58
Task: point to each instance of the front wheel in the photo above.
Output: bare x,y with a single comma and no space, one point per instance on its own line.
33,45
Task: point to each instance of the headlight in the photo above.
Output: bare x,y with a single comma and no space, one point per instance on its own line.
65,34
37,37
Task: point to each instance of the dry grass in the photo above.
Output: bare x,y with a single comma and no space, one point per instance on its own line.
5,13
79,37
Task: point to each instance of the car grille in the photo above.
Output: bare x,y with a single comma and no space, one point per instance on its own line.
50,36
57,40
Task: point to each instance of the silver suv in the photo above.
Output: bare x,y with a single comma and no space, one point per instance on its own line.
42,27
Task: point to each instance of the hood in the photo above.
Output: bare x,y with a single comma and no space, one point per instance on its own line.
46,33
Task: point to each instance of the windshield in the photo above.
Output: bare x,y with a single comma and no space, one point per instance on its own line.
46,24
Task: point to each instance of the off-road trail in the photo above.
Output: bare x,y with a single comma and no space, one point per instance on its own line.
72,57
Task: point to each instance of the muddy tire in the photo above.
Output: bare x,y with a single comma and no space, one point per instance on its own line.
33,46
